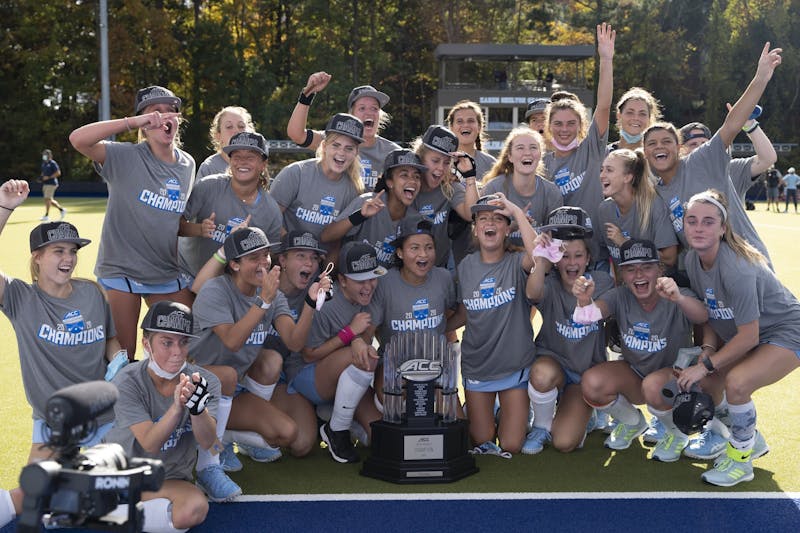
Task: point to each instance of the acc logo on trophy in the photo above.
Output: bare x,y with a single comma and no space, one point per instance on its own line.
420,370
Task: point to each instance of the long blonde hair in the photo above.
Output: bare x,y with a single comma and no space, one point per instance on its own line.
503,165
216,128
353,171
471,106
644,192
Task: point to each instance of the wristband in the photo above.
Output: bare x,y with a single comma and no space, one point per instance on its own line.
7,208
262,304
305,100
310,301
127,125
357,218
709,365
346,335
221,260
309,139
753,128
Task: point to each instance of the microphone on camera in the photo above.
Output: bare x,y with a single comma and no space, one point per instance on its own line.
71,410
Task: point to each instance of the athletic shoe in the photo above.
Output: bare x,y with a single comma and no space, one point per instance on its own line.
731,469
45,218
339,444
63,214
655,431
669,448
534,443
706,446
268,454
217,485
228,460
623,435
611,426
490,448
358,434
760,447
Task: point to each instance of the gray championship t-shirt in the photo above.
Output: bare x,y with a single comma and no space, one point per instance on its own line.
214,194
214,164
221,302
311,200
659,230
435,206
741,173
483,164
398,307
650,339
462,243
536,206
736,292
146,198
62,341
575,346
139,401
578,178
372,159
498,337
337,313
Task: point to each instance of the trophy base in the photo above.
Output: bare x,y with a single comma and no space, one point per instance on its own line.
405,454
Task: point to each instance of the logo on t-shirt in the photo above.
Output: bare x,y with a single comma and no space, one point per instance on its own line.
321,214
421,317
716,307
420,309
639,338
73,330
73,321
368,177
487,288
426,210
489,296
676,213
566,182
168,198
573,331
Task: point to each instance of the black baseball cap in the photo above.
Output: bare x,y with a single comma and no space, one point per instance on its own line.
346,124
53,232
635,251
483,205
440,139
358,261
568,223
300,240
412,225
169,317
687,135
367,90
155,94
245,241
537,105
247,140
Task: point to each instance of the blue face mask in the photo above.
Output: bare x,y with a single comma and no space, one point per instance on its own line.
630,139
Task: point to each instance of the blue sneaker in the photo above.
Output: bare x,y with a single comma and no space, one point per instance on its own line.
261,455
490,448
669,448
534,443
623,435
655,431
228,460
760,447
706,446
217,485
730,469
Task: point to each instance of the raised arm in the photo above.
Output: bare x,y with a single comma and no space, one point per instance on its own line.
606,37
12,194
296,128
90,140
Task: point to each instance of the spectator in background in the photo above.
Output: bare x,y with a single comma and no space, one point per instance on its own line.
791,179
49,179
773,181
535,115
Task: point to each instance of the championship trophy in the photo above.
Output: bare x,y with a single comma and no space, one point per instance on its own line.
420,439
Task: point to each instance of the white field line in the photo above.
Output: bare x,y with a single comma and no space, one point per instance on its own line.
520,496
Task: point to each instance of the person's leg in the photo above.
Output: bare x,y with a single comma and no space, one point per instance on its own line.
512,428
569,424
480,413
302,413
185,507
183,296
613,387
251,413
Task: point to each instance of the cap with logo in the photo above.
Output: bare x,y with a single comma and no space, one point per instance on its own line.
367,90
358,261
634,251
440,139
537,105
169,317
245,241
53,232
348,125
412,225
687,135
483,205
398,158
156,94
247,140
569,223
300,240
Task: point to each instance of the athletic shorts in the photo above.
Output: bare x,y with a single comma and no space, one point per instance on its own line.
772,193
796,352
515,380
274,342
41,432
134,287
303,383
49,191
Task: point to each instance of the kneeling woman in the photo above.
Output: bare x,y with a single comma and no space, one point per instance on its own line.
166,408
755,316
497,348
654,319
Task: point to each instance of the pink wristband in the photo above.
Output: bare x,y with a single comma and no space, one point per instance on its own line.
346,335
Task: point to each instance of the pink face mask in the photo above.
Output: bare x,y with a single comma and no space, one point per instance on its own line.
552,253
565,147
587,315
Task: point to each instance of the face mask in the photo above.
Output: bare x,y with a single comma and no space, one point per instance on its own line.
566,147
587,315
630,139
44,158
552,253
160,372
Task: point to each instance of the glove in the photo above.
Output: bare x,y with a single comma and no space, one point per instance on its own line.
115,365
471,173
199,399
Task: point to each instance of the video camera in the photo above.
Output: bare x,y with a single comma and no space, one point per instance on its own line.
83,489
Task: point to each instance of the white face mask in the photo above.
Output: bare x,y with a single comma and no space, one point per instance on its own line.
160,372
44,157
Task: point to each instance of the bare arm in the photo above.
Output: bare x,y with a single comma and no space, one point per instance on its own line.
694,309
12,194
90,139
296,128
606,37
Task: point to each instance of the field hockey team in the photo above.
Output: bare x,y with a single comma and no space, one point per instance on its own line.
268,299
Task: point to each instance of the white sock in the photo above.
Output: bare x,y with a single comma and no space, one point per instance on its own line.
158,516
259,389
622,410
7,511
544,406
353,384
204,457
665,417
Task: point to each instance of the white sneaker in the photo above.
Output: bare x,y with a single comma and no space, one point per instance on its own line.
63,214
45,218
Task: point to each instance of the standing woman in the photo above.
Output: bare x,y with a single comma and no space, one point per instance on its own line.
312,193
441,190
518,175
227,122
632,209
636,110
465,119
578,148
497,348
148,185
752,313
63,326
221,202
364,102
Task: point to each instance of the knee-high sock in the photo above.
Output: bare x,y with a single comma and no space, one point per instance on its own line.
158,516
665,417
353,384
204,457
7,511
743,425
544,406
622,410
259,389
